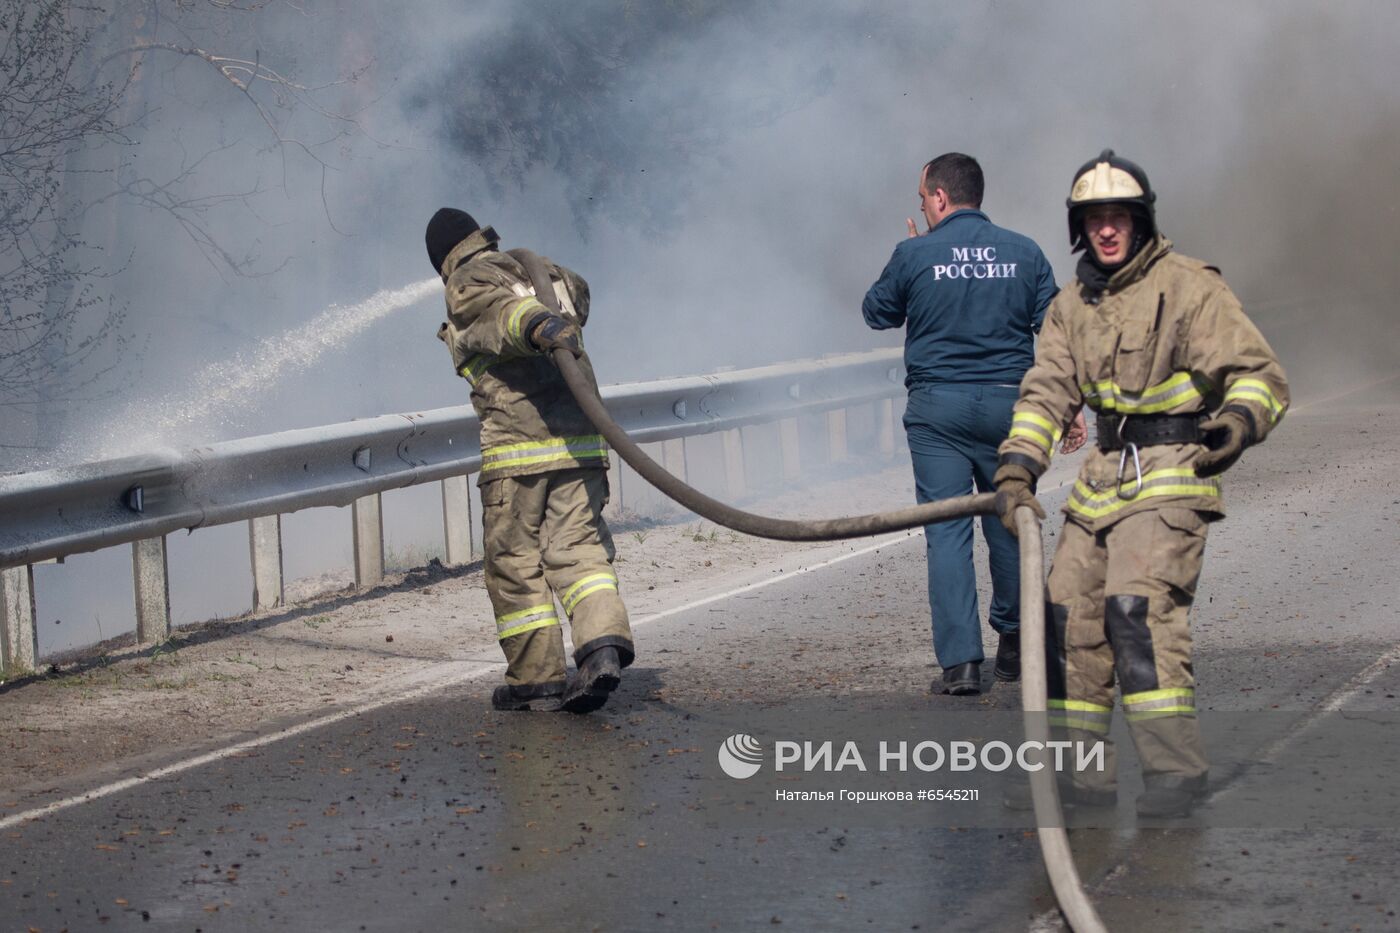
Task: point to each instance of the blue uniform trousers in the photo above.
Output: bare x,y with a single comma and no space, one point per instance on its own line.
954,431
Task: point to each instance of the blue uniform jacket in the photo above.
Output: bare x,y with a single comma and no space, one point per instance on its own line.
973,295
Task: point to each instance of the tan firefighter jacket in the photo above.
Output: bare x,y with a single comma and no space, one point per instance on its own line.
530,422
1167,336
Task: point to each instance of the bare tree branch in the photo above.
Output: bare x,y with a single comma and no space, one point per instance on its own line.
62,126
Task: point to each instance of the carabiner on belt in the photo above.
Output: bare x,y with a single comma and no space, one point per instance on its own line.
1123,463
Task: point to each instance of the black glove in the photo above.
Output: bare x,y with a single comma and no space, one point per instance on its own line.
1225,436
553,332
1015,488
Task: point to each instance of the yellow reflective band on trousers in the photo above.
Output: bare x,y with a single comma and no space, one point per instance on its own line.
517,320
583,447
1079,714
1176,389
1255,390
1174,481
1036,428
525,620
585,587
1154,704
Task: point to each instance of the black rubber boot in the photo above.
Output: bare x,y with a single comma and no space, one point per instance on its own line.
1171,798
1008,666
1018,796
960,680
598,676
539,698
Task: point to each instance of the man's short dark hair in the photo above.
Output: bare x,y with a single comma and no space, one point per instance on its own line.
957,174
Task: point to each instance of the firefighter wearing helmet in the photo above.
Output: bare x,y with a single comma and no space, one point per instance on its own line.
1182,383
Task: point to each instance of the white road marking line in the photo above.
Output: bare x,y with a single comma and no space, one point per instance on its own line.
1334,701
870,549
1354,687
435,678
1344,393
1051,920
453,676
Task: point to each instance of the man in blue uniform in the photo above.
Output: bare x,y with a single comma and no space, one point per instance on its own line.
971,296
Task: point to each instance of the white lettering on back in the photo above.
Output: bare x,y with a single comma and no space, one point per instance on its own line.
969,270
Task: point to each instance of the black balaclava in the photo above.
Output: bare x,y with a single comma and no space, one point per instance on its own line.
448,227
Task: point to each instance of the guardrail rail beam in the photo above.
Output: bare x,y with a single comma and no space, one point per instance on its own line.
141,498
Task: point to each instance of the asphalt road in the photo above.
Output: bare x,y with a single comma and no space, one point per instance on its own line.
437,813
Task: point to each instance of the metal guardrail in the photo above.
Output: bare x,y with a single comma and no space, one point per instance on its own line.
138,500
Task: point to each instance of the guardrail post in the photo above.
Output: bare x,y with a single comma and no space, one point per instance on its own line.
457,519
673,457
791,449
265,550
734,463
150,573
884,416
19,648
836,435
612,509
368,524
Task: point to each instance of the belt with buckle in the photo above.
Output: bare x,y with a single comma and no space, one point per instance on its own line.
1129,432
1115,431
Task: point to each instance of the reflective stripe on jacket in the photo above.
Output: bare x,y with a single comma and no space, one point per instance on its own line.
1167,336
530,422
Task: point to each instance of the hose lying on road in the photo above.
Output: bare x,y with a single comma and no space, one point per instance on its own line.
1054,841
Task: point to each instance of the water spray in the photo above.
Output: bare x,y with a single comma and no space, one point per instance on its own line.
225,386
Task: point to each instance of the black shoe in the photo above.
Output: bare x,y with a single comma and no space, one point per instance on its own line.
1166,803
539,698
961,680
1018,796
1008,666
598,675
1171,798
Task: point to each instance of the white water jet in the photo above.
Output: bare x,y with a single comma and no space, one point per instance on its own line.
223,387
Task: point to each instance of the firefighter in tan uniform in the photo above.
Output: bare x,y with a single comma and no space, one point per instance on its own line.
543,472
1159,347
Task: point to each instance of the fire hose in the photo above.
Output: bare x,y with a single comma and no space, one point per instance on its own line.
1054,840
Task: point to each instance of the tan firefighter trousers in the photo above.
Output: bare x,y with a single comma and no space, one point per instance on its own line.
545,537
1117,606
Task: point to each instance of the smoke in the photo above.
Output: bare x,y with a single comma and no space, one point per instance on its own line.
729,177
572,90
1300,210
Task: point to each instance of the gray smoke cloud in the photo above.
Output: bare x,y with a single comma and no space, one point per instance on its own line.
743,173
729,177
